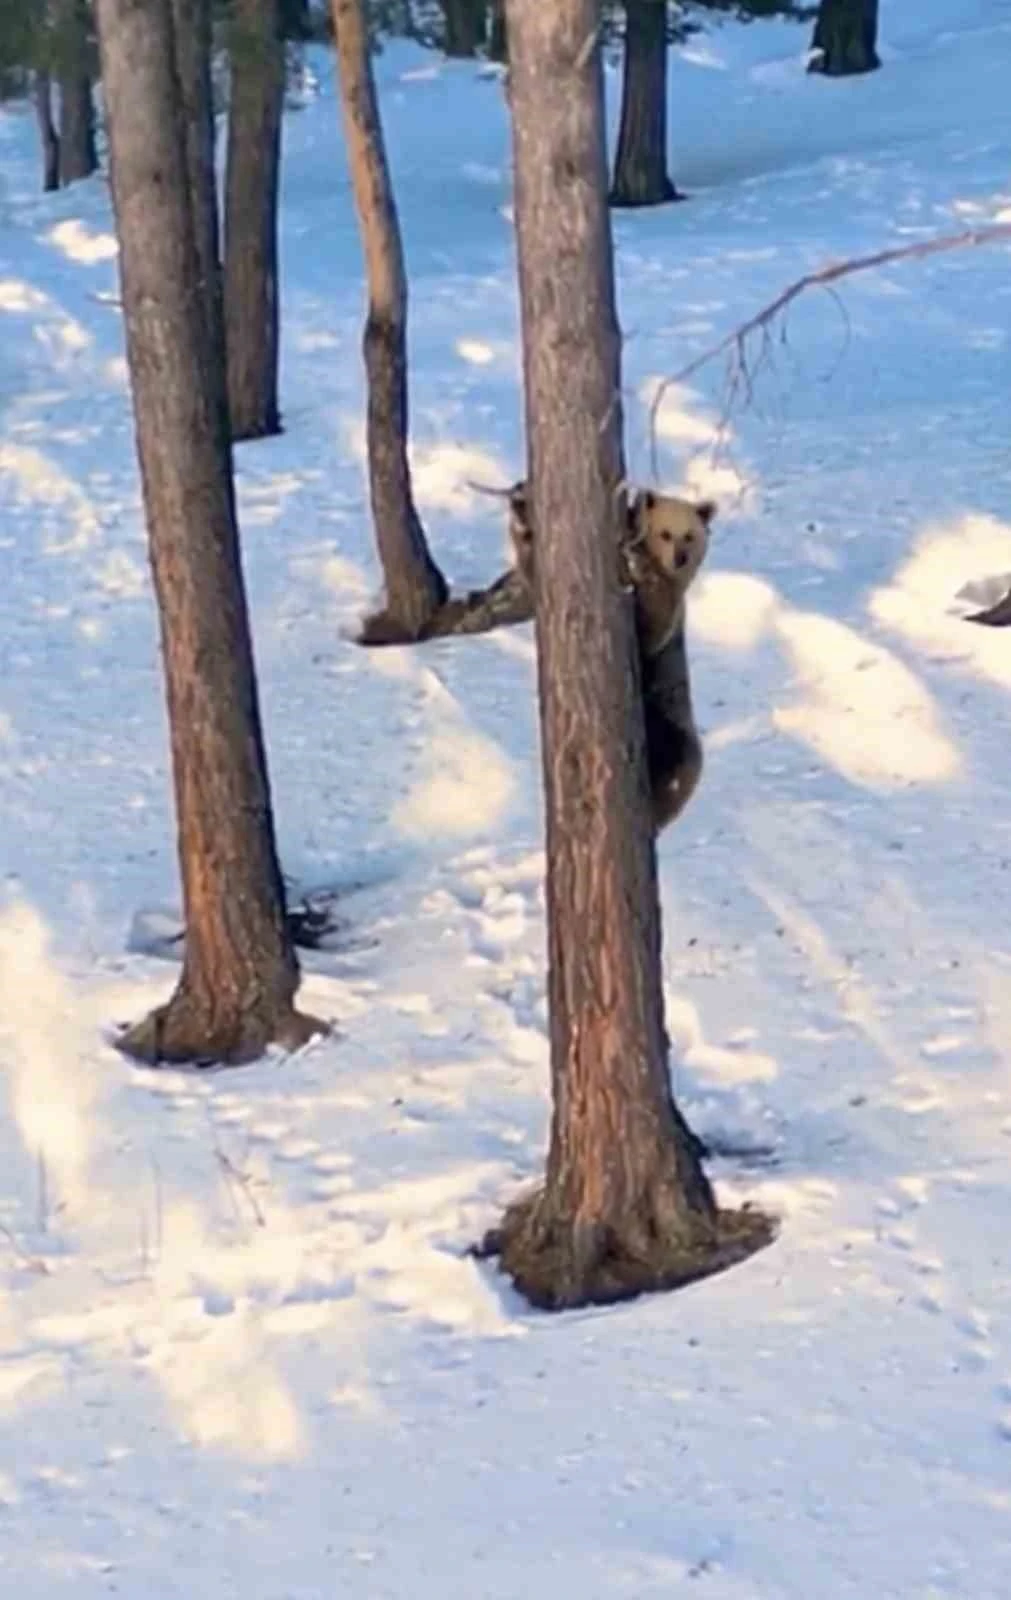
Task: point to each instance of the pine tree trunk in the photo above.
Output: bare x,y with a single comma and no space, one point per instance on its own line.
193,37
625,1206
252,322
463,31
236,993
415,588
77,149
47,132
640,168
846,36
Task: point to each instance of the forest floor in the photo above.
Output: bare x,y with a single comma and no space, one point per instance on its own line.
242,1349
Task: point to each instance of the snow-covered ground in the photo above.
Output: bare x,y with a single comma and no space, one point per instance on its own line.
242,1352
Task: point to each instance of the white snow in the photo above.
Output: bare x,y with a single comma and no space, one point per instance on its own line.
242,1351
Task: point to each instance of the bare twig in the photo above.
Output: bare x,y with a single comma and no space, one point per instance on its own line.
735,342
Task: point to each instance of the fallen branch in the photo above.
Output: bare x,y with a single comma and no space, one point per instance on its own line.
736,341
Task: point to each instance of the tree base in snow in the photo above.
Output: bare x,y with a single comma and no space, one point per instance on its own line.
503,604
185,1033
995,616
631,196
246,426
558,1262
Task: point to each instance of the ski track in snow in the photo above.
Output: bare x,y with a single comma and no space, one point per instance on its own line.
242,1345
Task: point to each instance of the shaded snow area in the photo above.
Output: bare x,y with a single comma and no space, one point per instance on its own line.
242,1350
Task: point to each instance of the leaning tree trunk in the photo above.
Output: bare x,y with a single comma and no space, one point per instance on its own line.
625,1206
252,323
78,153
845,37
236,992
47,131
640,167
415,588
194,42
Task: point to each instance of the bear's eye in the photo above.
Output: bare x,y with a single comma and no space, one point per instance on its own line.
667,536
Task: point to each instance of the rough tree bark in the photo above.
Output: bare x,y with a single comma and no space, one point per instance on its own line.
236,993
255,114
78,154
415,588
641,177
846,37
193,38
47,131
625,1206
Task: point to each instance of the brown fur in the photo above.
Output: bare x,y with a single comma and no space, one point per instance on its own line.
668,539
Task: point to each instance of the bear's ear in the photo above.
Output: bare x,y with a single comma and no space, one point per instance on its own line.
707,511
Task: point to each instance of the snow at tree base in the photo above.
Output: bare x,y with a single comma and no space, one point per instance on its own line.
243,1350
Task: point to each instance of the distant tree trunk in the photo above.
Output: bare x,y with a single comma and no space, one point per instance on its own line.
78,152
47,131
498,48
464,25
193,39
640,168
236,993
415,588
625,1206
846,35
252,319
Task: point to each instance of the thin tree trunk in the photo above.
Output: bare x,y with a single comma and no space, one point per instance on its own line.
415,588
640,168
194,40
625,1206
498,48
47,131
236,992
845,37
78,151
252,319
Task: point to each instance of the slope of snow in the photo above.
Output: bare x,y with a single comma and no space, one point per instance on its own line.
242,1351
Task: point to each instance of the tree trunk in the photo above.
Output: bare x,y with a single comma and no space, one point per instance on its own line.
77,148
47,131
498,48
193,37
415,588
236,992
296,20
625,1206
640,168
846,37
251,199
464,24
